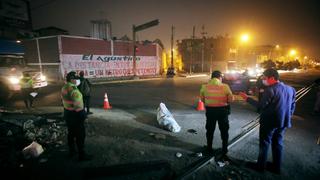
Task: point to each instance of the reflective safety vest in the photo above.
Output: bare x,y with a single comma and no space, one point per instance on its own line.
216,94
26,82
71,97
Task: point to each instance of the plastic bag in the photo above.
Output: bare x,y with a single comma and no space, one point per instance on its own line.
166,120
33,150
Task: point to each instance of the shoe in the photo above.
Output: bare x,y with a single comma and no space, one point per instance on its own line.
255,167
225,158
89,113
85,157
270,167
208,152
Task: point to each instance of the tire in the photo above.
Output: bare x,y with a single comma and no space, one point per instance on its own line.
4,93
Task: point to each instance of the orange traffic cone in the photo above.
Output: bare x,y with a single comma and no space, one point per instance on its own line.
106,104
200,106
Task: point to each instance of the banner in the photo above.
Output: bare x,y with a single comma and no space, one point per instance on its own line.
95,66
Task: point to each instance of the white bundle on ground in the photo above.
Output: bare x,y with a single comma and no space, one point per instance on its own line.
166,120
32,151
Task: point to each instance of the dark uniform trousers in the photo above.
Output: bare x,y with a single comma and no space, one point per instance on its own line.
213,115
273,136
76,130
86,102
27,98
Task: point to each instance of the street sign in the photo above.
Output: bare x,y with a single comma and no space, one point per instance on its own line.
146,25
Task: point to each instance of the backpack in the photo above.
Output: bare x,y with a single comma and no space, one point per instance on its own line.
84,88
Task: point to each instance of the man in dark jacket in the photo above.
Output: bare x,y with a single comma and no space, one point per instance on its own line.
276,106
85,89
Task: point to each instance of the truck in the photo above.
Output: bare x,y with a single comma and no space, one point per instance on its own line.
12,68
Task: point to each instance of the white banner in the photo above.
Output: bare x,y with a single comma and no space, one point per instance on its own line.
109,66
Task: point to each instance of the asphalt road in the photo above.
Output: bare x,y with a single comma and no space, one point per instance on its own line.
134,107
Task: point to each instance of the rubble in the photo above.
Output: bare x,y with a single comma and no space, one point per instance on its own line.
32,151
27,136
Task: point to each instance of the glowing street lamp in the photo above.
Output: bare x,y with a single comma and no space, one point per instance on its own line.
277,46
244,38
292,52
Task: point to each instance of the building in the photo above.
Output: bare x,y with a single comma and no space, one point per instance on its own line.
15,19
98,58
206,54
101,29
50,31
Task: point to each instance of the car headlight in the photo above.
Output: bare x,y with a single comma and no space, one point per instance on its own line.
14,80
43,78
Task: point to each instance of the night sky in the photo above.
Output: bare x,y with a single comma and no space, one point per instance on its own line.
284,22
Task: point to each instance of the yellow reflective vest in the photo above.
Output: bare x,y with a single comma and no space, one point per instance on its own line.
26,82
215,93
71,97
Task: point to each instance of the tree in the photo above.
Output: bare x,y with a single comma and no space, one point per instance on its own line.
268,64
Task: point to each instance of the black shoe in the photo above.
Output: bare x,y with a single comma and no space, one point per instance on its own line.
85,157
272,168
89,113
225,158
208,152
255,167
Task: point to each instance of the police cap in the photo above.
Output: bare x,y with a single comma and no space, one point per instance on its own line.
71,75
216,74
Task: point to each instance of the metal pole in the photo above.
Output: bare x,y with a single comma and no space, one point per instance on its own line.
192,41
39,56
134,51
202,55
172,32
211,63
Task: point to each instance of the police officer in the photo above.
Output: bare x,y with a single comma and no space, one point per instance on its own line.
74,115
26,88
216,97
276,106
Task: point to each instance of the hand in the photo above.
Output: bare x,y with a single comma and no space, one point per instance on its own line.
243,95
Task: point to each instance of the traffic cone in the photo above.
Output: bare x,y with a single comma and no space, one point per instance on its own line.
200,106
106,104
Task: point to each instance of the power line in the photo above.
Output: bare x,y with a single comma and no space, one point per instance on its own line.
43,4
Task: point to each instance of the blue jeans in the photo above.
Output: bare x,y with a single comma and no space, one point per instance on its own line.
274,136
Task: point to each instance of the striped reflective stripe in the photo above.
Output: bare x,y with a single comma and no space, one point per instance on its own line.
68,102
219,98
69,108
214,88
217,104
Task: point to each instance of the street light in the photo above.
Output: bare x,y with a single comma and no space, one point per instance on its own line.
245,38
292,52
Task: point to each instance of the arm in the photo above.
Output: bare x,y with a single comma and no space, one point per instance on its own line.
202,93
229,94
293,105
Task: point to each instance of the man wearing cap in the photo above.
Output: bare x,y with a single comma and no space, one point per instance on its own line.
276,107
74,114
216,97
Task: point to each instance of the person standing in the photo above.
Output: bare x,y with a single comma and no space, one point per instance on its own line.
276,106
85,89
26,88
316,107
74,115
216,97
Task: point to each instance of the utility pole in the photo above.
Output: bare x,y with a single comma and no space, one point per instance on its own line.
172,34
170,71
134,30
203,33
192,42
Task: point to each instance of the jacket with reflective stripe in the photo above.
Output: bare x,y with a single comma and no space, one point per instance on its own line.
216,94
26,82
71,97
